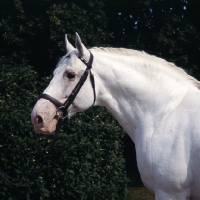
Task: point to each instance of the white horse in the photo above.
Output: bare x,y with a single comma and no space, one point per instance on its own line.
156,103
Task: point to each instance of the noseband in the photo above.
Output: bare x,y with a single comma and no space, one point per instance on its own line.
61,111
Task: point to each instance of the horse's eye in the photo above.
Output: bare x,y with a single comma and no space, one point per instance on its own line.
70,75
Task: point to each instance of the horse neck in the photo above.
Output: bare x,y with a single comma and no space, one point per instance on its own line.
132,90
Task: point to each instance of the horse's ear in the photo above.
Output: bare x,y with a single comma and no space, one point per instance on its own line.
69,47
80,46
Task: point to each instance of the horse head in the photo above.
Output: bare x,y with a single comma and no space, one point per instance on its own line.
66,77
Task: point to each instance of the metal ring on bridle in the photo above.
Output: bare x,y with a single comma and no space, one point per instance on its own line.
64,114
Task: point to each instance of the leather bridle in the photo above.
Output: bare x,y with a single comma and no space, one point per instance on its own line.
62,108
61,114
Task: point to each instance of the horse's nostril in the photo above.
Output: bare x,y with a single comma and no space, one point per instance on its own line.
39,119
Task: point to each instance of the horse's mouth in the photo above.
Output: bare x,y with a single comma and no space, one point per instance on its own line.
48,129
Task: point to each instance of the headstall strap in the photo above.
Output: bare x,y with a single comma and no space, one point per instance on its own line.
89,63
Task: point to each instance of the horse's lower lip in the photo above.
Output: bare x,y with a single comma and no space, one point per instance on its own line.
42,130
45,132
50,129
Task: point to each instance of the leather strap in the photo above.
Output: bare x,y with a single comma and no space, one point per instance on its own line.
51,99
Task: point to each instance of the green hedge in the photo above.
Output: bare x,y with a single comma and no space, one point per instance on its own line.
87,161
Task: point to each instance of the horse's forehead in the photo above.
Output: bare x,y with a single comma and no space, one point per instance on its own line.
59,69
70,61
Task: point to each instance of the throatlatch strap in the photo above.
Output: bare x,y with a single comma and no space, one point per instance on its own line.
93,86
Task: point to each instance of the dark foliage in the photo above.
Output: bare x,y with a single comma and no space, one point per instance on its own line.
87,161
167,29
32,32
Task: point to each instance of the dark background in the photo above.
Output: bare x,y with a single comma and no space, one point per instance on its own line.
32,35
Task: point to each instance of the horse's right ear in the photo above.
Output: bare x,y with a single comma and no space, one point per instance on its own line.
69,47
81,48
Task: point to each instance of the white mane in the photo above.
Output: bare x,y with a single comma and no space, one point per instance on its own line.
131,52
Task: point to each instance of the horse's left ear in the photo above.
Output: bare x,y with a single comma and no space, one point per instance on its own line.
80,46
69,47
